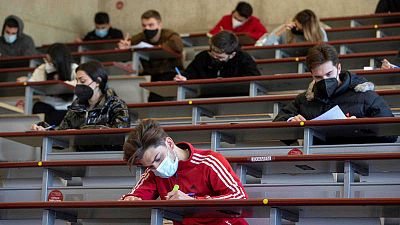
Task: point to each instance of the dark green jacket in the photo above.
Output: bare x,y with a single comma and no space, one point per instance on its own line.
110,112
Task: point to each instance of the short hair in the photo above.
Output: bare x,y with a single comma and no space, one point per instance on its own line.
244,9
151,14
225,41
320,54
11,22
96,72
101,18
148,133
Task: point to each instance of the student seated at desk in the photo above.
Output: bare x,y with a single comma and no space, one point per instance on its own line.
154,34
58,65
103,29
241,20
305,27
96,105
13,40
331,87
223,59
179,171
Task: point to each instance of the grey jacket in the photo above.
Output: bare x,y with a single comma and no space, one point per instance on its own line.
24,44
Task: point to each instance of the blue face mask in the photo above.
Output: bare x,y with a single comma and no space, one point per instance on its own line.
101,32
10,38
167,167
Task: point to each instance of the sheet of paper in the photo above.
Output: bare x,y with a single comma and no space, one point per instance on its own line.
333,114
143,45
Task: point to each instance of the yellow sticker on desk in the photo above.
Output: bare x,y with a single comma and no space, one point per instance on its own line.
302,123
297,59
25,83
376,26
190,102
265,201
40,163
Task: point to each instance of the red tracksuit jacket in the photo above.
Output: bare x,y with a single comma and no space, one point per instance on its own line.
204,174
253,27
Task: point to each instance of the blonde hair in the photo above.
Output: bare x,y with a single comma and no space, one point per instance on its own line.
311,27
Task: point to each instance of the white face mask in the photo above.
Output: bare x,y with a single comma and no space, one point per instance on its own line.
10,38
236,23
167,167
49,67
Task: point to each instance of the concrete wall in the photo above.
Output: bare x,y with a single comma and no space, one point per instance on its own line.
49,21
200,15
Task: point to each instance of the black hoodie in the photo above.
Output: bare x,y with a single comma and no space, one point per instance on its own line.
24,44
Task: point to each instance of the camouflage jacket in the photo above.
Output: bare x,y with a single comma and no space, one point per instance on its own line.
110,112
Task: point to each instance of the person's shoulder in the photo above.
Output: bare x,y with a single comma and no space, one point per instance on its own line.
202,154
202,55
242,55
254,19
169,33
227,17
114,99
25,38
113,29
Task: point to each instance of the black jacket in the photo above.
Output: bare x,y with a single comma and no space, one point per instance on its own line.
204,66
112,34
354,96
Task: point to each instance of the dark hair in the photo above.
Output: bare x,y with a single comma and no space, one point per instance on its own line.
320,54
96,72
225,41
11,22
101,18
244,9
146,134
151,14
62,60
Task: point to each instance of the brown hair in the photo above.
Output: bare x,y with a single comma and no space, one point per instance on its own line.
225,42
320,54
151,14
311,26
146,134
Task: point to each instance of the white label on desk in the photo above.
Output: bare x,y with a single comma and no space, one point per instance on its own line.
261,158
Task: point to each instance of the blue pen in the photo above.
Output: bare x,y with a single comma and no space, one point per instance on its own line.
178,71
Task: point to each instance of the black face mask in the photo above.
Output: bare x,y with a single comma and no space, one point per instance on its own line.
83,92
324,89
149,34
297,32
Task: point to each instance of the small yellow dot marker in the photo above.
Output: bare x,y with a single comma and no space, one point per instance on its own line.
297,59
25,83
176,187
40,163
190,102
302,123
265,201
376,26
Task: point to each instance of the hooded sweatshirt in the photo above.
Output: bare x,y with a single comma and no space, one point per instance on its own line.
24,44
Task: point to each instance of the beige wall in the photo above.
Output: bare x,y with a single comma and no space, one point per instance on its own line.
200,15
49,21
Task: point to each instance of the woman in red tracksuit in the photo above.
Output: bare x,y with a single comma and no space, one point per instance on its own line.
200,174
